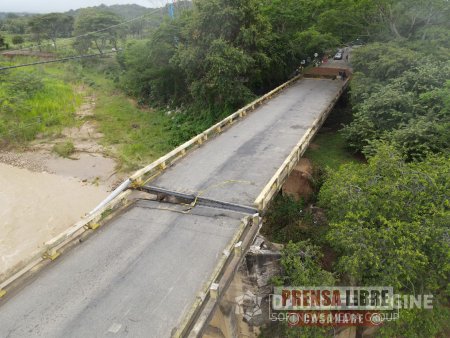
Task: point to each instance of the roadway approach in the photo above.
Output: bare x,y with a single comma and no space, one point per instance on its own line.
141,274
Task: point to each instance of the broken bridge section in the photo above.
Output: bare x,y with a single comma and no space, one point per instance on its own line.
236,165
139,275
157,269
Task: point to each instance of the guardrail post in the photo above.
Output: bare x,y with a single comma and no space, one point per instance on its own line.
51,254
214,291
93,225
256,219
238,249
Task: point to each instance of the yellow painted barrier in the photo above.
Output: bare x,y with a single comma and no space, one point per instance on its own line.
103,212
276,182
211,288
157,167
52,247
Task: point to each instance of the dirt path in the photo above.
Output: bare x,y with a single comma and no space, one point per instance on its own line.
42,194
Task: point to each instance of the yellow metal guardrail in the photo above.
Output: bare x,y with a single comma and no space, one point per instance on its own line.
119,198
107,209
212,288
276,182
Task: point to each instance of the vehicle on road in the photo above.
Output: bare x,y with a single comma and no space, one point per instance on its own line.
357,43
338,56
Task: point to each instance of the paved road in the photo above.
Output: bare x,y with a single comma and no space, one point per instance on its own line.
139,274
135,277
236,165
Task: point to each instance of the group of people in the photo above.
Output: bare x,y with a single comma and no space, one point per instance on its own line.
317,62
343,74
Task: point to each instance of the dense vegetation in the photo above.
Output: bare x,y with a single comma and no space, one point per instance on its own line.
384,218
400,94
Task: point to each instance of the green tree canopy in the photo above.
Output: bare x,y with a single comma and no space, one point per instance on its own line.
401,96
51,26
97,27
389,220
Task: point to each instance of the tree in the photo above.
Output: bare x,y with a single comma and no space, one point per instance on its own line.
407,19
300,263
363,21
3,43
51,26
399,95
231,38
148,71
389,220
98,27
17,40
15,24
301,266
311,41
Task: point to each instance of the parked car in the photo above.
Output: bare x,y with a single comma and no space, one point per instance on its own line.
357,42
338,56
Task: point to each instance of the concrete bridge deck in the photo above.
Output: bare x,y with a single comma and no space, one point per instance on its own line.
138,275
237,164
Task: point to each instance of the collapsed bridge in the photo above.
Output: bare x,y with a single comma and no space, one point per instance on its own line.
174,233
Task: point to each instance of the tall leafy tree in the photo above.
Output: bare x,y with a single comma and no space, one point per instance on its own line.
389,220
223,51
399,95
412,18
97,27
51,26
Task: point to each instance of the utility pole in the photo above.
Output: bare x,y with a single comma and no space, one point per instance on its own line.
172,8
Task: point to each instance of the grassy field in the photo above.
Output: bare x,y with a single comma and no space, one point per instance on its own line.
32,102
138,135
43,100
328,150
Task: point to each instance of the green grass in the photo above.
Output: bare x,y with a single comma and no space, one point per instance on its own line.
138,135
32,102
328,150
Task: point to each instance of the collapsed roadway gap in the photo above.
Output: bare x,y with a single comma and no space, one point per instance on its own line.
195,199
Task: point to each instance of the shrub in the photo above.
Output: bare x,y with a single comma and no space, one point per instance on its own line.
64,149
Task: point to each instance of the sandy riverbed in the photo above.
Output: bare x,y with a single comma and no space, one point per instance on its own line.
36,206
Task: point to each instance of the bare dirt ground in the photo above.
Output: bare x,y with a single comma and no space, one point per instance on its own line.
42,194
36,207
